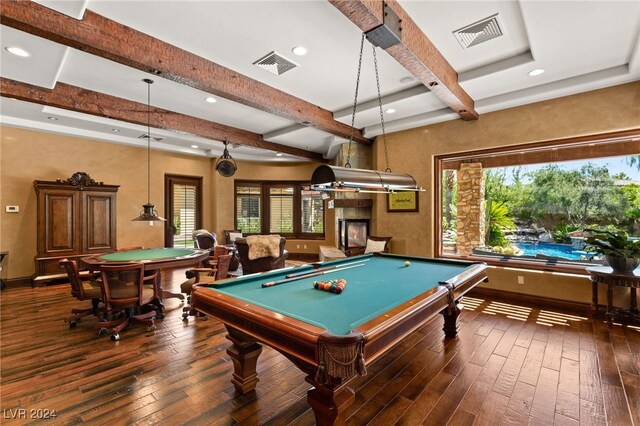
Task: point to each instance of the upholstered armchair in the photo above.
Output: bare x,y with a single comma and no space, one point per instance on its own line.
261,264
374,245
204,239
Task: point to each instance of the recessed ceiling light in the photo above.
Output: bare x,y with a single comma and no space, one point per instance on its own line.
52,118
211,100
299,51
535,72
194,146
390,110
407,79
115,130
278,154
18,51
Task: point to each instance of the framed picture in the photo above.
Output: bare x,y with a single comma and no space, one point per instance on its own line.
402,202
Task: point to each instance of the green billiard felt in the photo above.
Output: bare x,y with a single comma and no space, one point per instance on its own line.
382,283
145,254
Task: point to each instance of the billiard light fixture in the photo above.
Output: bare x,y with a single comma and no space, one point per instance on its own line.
345,179
149,212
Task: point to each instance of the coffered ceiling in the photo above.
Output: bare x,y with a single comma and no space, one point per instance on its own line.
304,113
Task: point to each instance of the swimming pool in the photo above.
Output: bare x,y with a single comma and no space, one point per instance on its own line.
551,249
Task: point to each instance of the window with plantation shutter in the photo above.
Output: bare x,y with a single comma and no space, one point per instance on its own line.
184,214
312,212
248,208
281,210
284,208
183,209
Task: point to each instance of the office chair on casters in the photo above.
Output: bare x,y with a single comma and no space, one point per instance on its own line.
204,276
124,290
81,290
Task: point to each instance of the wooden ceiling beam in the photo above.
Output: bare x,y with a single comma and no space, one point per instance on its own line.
85,101
414,51
111,40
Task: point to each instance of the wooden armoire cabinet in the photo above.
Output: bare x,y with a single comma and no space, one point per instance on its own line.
76,218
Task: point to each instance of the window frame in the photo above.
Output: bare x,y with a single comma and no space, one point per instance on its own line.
594,146
265,216
169,181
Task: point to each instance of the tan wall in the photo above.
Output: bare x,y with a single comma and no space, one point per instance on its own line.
413,151
27,155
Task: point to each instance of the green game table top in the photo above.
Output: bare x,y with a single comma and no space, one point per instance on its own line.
147,254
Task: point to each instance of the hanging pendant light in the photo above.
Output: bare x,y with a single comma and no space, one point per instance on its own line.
149,212
226,165
345,179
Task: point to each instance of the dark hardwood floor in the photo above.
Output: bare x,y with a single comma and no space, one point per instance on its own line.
512,364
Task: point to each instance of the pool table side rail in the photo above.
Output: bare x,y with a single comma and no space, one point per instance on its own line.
287,335
387,329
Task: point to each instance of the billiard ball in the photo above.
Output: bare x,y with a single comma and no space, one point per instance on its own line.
407,263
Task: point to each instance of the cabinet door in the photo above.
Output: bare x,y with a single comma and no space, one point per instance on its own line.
58,222
99,219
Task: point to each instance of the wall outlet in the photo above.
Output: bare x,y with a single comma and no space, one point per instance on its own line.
12,209
520,279
305,246
297,246
150,223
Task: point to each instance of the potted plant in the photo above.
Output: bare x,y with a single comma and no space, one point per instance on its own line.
622,254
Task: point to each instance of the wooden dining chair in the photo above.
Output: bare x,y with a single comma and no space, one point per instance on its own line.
87,289
124,291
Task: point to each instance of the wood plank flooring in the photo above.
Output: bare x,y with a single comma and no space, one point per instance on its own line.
511,365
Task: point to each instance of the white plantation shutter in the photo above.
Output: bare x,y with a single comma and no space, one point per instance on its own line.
248,208
184,214
312,212
281,210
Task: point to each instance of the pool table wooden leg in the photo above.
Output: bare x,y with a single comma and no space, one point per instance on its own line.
451,320
244,353
329,405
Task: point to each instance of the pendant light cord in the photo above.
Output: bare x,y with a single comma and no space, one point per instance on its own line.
384,134
355,103
149,82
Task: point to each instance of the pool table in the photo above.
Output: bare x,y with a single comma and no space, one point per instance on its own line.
333,337
153,259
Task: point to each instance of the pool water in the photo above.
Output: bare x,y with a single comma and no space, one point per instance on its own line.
551,249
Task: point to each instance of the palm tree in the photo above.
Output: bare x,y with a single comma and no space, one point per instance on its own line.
634,160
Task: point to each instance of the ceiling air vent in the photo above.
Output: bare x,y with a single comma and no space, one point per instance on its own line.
275,63
145,136
478,32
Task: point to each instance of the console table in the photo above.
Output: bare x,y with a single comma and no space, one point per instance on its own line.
606,275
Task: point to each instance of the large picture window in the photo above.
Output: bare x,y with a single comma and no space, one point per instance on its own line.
539,204
284,208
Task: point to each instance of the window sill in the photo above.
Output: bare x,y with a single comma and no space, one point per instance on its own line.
537,265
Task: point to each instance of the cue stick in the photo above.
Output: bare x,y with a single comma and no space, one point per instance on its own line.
326,268
312,274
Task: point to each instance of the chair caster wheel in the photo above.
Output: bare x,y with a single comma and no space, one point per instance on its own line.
102,332
151,328
73,324
115,337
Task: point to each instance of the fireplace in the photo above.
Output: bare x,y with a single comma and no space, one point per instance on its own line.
353,233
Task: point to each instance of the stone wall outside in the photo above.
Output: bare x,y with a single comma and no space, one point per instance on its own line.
470,202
